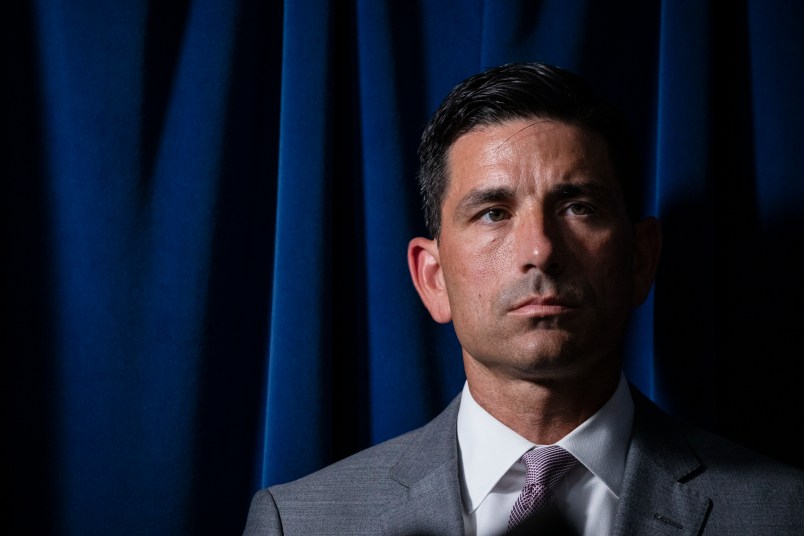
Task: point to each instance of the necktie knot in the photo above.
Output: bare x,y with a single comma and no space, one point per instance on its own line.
544,467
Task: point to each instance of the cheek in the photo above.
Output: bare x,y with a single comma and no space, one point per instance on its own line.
489,257
474,271
610,265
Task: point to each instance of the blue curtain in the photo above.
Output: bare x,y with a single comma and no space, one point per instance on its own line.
206,206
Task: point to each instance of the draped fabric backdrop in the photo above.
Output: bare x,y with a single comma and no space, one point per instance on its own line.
206,206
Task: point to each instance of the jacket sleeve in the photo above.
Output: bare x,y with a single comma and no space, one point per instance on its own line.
263,516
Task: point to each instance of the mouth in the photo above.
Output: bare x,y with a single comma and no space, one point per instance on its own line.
542,307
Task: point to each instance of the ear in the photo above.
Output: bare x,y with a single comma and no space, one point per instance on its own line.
647,250
428,278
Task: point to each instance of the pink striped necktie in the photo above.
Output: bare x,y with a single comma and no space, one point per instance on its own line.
545,466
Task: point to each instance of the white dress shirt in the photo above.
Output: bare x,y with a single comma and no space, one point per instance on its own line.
492,477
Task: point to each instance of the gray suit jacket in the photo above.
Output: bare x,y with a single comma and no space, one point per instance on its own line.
679,480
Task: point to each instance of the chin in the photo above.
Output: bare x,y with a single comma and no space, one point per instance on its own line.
546,364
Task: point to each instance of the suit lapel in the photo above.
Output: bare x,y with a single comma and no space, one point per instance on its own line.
653,499
428,474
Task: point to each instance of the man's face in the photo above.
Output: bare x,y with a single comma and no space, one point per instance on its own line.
536,250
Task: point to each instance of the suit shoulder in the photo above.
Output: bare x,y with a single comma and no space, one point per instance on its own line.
680,471
718,451
344,497
362,464
371,468
721,458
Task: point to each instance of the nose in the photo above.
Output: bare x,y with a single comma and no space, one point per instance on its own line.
539,243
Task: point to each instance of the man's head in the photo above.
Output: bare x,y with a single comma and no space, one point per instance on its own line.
520,91
536,258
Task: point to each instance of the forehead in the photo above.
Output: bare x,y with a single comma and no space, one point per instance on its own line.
527,155
536,143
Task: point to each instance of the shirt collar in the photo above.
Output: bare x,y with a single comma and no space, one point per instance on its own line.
489,448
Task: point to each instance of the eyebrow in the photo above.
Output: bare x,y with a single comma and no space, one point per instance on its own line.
590,188
481,197
476,199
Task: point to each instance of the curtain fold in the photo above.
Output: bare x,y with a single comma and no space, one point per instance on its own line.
206,208
301,311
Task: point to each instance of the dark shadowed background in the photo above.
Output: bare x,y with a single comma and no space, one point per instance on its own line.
206,206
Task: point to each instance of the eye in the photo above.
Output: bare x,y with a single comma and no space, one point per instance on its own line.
493,215
581,209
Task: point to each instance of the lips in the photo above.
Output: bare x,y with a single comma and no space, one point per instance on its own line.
542,306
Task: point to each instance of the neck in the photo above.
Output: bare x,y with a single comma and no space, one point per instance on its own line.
541,409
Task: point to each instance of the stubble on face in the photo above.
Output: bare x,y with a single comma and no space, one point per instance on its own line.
537,286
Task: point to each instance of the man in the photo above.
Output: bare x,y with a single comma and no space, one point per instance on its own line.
537,257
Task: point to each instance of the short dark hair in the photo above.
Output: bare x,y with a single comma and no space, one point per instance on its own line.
521,91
